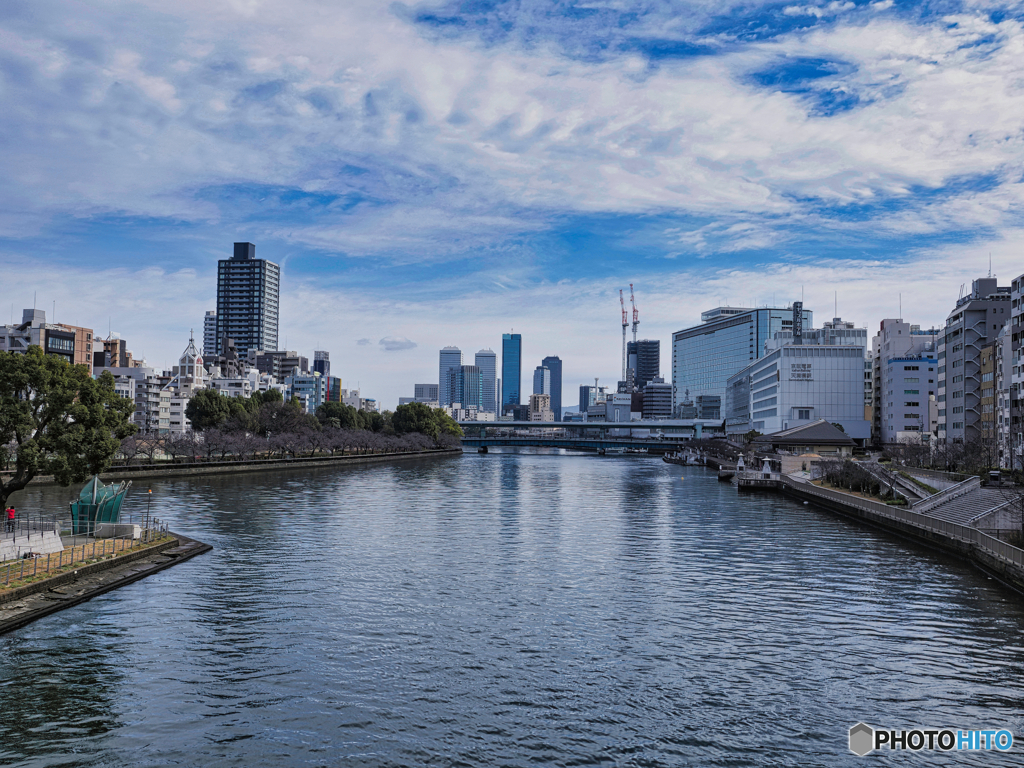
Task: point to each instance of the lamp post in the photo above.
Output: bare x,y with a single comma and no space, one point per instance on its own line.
149,499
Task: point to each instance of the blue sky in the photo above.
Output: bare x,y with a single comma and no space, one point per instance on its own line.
440,172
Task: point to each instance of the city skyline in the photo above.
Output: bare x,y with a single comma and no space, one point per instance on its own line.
416,172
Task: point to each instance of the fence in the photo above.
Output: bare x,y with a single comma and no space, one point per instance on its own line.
24,526
963,533
953,492
81,552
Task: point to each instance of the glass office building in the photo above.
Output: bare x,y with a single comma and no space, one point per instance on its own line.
726,341
511,369
450,360
554,364
487,362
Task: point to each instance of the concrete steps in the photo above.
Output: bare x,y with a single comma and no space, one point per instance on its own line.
963,509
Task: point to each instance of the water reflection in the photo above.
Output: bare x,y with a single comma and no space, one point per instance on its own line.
516,610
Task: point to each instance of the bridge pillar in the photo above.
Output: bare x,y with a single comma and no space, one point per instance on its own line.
698,430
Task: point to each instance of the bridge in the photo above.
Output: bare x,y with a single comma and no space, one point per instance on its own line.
661,436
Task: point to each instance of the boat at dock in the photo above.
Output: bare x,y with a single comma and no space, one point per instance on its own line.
683,458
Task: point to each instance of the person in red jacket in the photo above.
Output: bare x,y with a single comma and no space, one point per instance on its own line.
10,519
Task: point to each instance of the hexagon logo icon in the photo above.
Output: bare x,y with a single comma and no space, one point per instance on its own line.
862,738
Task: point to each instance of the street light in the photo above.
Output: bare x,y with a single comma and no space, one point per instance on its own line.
149,499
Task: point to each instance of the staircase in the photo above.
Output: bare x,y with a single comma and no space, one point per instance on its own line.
963,509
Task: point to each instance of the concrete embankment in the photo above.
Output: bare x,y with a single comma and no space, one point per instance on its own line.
991,555
258,465
23,605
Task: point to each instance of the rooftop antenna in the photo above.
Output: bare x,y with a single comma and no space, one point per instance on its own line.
836,299
990,263
901,307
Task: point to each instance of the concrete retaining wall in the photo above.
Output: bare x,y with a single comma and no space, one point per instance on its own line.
960,541
43,542
260,465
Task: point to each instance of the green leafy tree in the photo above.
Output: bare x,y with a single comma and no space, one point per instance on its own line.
208,408
421,418
347,416
55,419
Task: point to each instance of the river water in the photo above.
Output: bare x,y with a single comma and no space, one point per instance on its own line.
511,610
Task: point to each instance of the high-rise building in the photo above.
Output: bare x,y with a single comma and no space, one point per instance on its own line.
210,333
644,360
73,343
450,360
511,369
425,393
554,364
973,324
322,363
726,341
657,399
487,362
248,298
904,377
540,407
541,380
471,387
1015,361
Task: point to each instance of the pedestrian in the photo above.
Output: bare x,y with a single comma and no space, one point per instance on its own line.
10,519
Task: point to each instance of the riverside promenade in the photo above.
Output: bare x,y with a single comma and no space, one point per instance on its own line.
931,521
33,588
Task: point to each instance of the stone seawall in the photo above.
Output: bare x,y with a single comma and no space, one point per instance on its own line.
1009,574
259,465
22,606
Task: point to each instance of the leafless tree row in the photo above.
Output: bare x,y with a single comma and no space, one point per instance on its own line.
238,445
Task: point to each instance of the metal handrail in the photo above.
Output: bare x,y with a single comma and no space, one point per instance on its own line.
964,533
948,494
80,554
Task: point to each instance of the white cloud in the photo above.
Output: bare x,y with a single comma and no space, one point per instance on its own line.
396,344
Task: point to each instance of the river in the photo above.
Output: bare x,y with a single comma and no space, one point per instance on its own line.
512,609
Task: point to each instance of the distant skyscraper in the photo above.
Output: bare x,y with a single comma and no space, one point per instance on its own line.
322,363
487,362
210,333
450,359
511,369
541,380
248,297
465,386
554,364
425,393
644,360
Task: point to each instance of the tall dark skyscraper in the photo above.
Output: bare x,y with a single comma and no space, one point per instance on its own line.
554,364
322,363
511,369
248,297
644,358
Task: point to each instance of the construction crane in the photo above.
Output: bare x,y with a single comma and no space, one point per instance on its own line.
636,312
625,323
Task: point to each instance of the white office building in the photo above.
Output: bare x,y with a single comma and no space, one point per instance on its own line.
803,377
726,341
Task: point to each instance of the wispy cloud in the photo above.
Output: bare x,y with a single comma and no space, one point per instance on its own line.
482,155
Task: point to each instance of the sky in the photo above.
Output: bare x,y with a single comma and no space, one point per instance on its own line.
440,173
